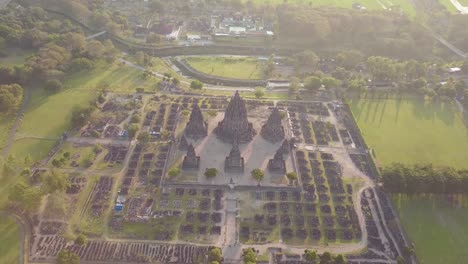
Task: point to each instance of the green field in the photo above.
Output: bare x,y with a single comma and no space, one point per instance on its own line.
10,242
450,7
15,57
369,4
413,131
6,122
239,68
438,229
463,2
48,115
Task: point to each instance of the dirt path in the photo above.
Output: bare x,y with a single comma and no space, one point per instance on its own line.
19,116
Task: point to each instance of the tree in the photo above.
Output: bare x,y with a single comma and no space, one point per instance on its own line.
196,84
55,181
292,176
349,59
357,85
132,130
294,85
250,256
310,255
340,259
173,172
215,255
10,97
175,81
211,172
257,174
144,137
306,58
26,197
312,83
330,82
80,240
81,115
156,6
259,92
54,86
67,257
325,258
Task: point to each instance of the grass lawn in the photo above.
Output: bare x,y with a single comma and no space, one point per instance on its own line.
239,68
438,229
369,4
15,57
48,115
6,122
450,7
413,131
10,242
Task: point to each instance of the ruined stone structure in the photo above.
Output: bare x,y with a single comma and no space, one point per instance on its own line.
234,162
235,124
277,164
191,160
272,130
183,143
196,128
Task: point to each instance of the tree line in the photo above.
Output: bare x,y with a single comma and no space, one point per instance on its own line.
424,178
59,46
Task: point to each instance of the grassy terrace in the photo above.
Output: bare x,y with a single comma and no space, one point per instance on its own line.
413,131
239,68
436,226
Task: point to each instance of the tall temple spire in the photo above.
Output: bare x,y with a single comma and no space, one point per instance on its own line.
196,128
235,124
273,130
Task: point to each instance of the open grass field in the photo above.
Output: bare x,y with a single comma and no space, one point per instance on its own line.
369,4
48,115
10,241
438,229
413,131
235,67
6,122
450,7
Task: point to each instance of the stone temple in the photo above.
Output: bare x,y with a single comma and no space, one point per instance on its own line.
284,149
183,143
191,160
272,130
196,128
234,162
277,164
235,124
